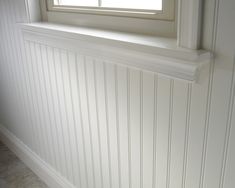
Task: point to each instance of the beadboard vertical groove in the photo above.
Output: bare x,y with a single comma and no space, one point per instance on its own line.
42,72
36,94
155,131
21,47
228,127
141,129
77,172
103,125
80,129
9,47
107,124
53,76
209,94
66,125
129,128
186,137
117,124
31,106
169,133
98,124
9,22
46,117
89,121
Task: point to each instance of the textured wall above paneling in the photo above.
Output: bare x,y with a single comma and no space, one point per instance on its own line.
102,125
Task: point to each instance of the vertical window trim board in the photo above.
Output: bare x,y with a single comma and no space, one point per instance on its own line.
189,23
33,10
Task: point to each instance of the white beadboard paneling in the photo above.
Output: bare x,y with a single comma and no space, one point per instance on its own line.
40,105
9,46
16,16
135,126
13,59
60,65
47,116
221,99
29,103
35,116
179,141
98,124
226,178
155,131
76,162
67,58
110,92
45,81
86,125
196,135
50,66
147,129
163,125
122,102
227,171
81,168
102,116
93,120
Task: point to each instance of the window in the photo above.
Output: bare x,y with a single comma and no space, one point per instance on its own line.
149,9
179,19
147,17
130,4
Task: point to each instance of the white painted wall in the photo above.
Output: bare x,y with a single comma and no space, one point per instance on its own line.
103,125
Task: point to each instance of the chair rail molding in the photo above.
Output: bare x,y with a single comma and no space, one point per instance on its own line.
158,55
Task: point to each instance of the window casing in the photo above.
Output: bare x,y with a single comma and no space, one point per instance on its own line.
184,24
161,23
165,13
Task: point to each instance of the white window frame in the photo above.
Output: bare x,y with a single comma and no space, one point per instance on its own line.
167,12
187,22
157,26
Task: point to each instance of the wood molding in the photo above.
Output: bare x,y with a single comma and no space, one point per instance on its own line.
33,10
189,23
36,164
159,55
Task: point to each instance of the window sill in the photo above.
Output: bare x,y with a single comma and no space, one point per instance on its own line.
155,54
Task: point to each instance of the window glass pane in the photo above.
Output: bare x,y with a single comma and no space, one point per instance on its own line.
133,4
78,2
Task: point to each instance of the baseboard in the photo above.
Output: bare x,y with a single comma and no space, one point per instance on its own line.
36,164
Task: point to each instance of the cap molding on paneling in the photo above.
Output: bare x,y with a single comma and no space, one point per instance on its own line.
155,54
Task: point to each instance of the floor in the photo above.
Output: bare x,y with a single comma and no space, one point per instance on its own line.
14,173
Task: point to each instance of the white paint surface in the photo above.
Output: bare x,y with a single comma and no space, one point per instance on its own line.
98,124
